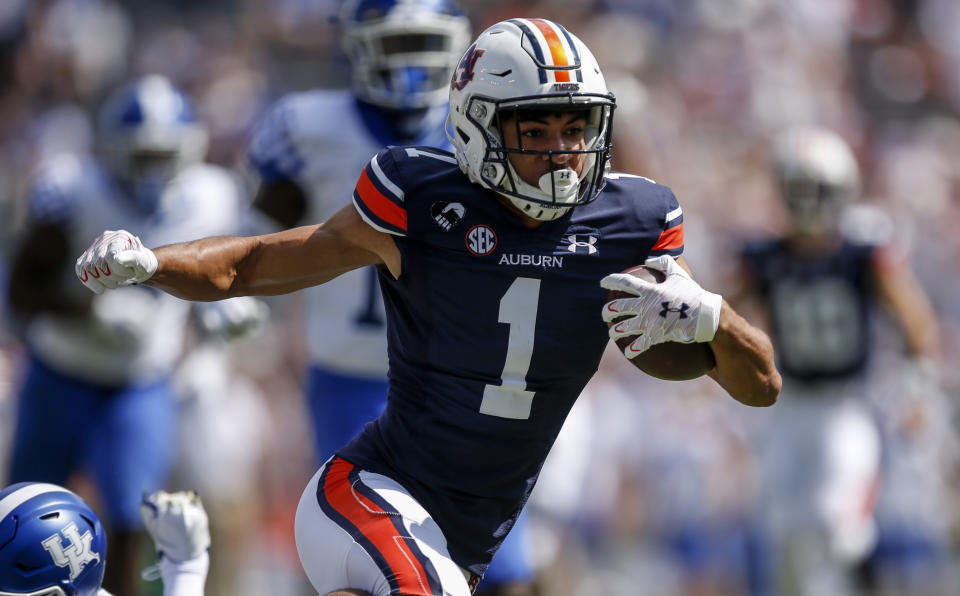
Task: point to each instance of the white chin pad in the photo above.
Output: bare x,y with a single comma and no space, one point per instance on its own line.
564,181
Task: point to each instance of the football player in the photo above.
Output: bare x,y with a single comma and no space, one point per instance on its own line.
308,151
104,364
820,284
53,544
494,313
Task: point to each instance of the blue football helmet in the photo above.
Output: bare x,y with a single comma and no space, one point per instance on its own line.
402,52
149,132
51,542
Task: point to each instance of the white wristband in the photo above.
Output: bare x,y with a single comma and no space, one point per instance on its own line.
709,319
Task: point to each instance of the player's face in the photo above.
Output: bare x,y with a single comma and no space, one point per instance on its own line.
547,131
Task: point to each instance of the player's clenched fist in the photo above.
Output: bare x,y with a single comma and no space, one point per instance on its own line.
116,258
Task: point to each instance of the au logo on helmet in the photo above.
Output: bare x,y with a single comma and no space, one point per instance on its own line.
463,74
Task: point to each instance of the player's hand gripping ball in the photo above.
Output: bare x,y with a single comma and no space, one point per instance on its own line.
662,320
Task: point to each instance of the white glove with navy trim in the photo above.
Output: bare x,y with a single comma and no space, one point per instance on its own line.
178,524
677,309
116,258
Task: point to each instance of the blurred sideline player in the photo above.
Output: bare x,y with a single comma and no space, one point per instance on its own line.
820,285
53,544
98,370
308,151
495,323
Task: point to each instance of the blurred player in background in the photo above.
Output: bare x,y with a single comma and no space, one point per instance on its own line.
820,284
496,311
53,544
98,370
309,150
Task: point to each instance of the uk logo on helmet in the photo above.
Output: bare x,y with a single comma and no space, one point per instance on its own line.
77,555
481,240
463,74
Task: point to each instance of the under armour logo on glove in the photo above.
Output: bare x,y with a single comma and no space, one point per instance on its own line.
645,315
684,307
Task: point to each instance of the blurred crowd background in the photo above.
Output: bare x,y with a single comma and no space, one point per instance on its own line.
702,86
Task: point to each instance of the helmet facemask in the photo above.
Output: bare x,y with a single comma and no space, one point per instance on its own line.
814,205
561,188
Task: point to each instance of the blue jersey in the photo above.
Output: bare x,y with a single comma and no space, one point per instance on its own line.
493,331
820,307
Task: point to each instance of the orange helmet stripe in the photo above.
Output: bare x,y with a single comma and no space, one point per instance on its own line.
557,51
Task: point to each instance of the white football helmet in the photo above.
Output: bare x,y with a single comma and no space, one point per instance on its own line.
819,176
149,132
401,52
522,64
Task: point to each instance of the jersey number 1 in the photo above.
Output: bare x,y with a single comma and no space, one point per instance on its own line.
518,308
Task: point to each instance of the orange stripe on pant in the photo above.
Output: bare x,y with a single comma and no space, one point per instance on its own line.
381,206
377,526
556,49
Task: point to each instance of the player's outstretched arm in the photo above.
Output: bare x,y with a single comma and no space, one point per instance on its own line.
223,267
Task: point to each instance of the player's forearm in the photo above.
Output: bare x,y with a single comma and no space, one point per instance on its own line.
203,270
224,267
745,365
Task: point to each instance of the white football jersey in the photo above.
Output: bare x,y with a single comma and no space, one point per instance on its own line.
133,333
318,139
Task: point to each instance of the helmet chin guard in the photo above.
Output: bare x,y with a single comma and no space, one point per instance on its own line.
529,64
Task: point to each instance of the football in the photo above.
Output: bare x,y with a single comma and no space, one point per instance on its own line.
670,361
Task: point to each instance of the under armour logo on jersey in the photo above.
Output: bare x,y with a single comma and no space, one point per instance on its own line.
589,244
684,307
77,555
464,71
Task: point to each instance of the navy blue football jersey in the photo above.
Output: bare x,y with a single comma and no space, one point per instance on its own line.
820,307
493,331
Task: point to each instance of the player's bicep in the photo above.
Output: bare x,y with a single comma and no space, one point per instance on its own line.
311,255
362,243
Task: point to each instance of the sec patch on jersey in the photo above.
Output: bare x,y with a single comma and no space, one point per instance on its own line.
670,361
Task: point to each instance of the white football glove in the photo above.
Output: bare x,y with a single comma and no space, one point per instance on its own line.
676,310
178,524
233,317
116,258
